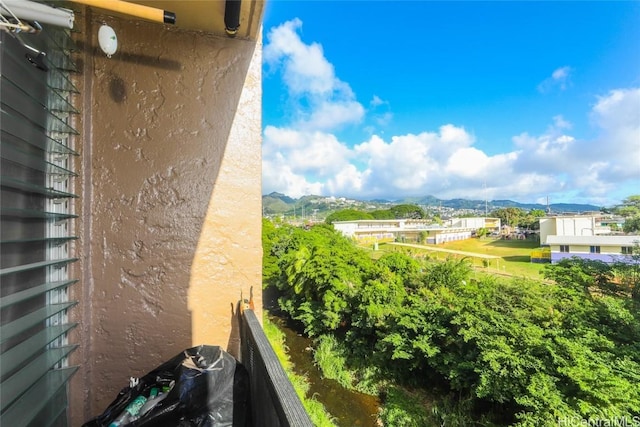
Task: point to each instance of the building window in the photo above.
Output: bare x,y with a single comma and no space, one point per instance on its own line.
594,249
564,248
627,250
36,210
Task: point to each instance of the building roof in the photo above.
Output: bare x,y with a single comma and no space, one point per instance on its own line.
593,240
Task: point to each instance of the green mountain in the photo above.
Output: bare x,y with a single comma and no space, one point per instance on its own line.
319,206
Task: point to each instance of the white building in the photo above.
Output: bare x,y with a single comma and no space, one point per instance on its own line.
413,229
584,236
577,225
476,223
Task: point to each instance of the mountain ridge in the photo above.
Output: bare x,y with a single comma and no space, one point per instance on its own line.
275,202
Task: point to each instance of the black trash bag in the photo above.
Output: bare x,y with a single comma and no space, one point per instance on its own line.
203,386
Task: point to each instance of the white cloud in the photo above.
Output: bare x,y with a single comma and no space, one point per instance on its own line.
447,163
320,100
560,123
329,115
306,70
467,162
376,101
617,114
593,168
560,74
305,153
305,156
560,79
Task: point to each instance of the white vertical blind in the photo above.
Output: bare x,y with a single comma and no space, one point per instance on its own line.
36,240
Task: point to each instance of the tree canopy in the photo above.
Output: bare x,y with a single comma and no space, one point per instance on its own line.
509,216
630,210
395,212
347,215
522,352
629,207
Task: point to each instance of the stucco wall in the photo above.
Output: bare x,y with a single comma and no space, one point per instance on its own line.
170,216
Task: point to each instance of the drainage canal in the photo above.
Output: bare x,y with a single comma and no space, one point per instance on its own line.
349,408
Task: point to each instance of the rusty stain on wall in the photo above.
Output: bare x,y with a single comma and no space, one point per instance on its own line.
172,206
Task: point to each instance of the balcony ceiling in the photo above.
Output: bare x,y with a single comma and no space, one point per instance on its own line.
208,15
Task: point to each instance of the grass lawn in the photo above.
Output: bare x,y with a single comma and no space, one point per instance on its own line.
514,255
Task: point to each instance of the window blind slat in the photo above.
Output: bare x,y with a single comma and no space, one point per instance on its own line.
51,241
31,213
18,127
19,82
33,113
17,297
24,410
57,80
18,383
14,357
54,413
37,189
22,324
32,266
12,153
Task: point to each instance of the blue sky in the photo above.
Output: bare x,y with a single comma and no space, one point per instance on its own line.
497,100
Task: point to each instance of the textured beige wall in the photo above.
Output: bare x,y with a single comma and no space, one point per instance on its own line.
171,209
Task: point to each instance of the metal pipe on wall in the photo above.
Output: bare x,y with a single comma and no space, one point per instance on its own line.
232,17
137,10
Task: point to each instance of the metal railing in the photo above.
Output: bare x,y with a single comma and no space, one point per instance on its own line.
274,402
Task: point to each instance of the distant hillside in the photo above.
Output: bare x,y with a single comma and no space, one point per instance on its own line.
496,204
277,203
309,206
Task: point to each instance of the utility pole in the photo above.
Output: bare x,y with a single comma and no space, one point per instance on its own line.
486,203
548,206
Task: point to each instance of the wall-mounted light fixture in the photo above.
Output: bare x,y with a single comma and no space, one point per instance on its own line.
107,40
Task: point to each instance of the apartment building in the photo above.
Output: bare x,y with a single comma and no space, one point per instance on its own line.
414,229
585,236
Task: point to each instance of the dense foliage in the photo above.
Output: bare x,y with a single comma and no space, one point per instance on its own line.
630,210
513,353
394,212
348,215
517,217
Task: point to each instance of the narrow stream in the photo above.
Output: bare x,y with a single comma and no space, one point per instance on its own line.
349,408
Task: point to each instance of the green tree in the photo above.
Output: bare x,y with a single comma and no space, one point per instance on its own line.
627,270
631,224
580,274
347,215
629,207
522,352
383,214
320,273
510,216
630,210
531,220
407,212
270,268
